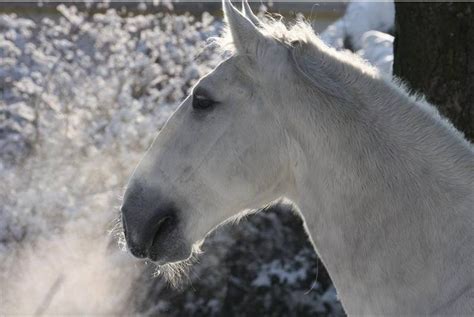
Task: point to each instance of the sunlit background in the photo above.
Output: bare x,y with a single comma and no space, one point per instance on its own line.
84,88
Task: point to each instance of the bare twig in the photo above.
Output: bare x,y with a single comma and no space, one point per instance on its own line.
53,290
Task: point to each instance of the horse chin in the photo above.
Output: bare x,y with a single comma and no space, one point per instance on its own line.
170,252
176,273
169,245
176,255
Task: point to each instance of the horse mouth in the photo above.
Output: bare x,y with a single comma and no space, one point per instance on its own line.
168,244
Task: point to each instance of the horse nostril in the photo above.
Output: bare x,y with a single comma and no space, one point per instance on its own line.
160,228
148,229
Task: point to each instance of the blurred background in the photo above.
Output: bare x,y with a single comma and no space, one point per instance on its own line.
84,87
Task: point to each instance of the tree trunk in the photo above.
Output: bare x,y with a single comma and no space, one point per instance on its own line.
434,55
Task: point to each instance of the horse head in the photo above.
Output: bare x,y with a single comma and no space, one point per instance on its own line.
223,151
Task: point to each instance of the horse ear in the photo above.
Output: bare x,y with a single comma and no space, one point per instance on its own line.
244,33
249,14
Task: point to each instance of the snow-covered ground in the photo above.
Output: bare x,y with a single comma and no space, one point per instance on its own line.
80,100
363,29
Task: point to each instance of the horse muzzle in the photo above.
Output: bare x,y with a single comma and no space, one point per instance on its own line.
153,228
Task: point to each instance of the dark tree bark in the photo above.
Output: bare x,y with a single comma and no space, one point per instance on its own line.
434,55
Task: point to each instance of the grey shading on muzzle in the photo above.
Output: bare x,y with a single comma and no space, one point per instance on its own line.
149,221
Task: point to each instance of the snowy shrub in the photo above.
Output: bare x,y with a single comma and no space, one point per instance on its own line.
82,96
73,95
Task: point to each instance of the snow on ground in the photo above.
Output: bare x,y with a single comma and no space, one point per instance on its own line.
356,31
80,99
377,48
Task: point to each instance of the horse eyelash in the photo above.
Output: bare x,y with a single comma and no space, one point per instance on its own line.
202,98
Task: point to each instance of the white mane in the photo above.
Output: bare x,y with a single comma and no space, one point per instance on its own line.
330,70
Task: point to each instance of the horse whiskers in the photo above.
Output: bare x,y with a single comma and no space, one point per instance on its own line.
116,231
177,274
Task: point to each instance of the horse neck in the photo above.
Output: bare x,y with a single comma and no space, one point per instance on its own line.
386,193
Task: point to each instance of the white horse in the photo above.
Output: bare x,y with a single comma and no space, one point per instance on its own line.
383,183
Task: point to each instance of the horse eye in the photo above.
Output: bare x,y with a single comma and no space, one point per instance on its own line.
201,102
